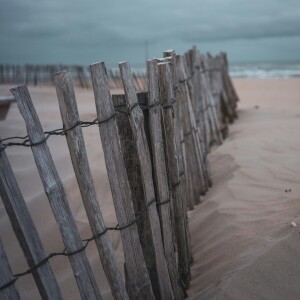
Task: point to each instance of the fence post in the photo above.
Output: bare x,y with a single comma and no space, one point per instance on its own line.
160,175
216,88
170,55
139,284
69,113
25,230
167,96
210,109
235,97
227,96
201,147
185,176
194,155
57,197
162,286
10,292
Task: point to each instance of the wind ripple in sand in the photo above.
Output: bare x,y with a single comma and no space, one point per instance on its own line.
243,243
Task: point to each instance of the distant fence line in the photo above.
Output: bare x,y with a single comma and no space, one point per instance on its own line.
42,75
155,145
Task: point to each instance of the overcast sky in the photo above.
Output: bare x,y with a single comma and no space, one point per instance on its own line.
86,31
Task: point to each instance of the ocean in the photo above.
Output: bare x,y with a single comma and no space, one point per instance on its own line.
265,70
261,70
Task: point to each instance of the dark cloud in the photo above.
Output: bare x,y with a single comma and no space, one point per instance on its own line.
268,28
80,31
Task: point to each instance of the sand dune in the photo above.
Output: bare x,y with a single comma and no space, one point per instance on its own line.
243,243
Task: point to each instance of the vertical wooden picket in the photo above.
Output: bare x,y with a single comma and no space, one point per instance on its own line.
57,197
162,287
160,174
139,285
25,230
70,116
166,96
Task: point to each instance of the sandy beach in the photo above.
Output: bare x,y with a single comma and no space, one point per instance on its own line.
243,243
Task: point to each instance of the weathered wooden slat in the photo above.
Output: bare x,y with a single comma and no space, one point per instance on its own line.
25,230
57,197
215,135
202,93
139,284
69,113
216,87
10,292
191,136
201,106
166,97
185,178
133,167
158,270
200,111
195,83
183,175
188,67
131,160
202,147
160,175
170,56
189,71
130,155
203,132
234,93
227,94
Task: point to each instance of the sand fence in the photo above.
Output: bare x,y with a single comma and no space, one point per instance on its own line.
155,145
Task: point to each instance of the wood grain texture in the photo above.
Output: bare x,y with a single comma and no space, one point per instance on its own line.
57,197
69,113
171,58
130,157
214,64
138,283
6,275
160,176
183,175
166,96
228,96
133,168
203,140
200,111
216,137
193,150
25,230
162,286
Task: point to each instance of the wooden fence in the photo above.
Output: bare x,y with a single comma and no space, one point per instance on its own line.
155,145
43,75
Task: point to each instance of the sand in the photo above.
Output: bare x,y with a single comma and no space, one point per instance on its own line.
243,243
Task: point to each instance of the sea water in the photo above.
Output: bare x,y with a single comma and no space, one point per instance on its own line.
265,69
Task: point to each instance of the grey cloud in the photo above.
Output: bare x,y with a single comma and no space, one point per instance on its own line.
244,30
117,27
